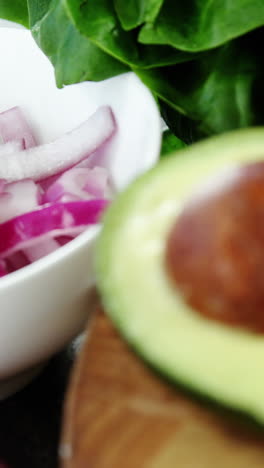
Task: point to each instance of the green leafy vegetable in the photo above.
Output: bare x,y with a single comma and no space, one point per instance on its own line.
101,25
197,25
14,10
133,13
74,56
170,144
215,91
37,10
201,58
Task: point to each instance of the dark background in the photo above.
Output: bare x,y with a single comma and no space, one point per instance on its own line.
30,421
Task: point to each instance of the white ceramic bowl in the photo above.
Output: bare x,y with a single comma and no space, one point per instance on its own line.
44,305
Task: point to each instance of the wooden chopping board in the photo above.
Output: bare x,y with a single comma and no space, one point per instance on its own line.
120,414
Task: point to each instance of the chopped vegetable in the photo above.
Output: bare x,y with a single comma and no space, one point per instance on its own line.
40,249
14,127
17,198
49,193
3,270
47,222
11,147
55,157
77,184
16,261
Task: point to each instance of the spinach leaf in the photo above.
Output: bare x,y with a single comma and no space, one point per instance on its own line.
133,13
182,126
200,58
79,57
37,10
170,144
198,25
101,25
74,56
14,10
217,90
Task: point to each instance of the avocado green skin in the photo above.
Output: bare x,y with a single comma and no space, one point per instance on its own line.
221,362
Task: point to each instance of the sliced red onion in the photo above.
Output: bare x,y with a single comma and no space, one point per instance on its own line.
17,198
79,183
16,260
100,157
48,222
52,158
68,197
48,181
49,194
14,126
2,185
3,272
97,183
40,249
62,240
11,147
69,183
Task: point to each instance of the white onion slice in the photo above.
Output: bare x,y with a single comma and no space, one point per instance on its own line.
11,147
14,126
17,198
55,157
79,183
40,249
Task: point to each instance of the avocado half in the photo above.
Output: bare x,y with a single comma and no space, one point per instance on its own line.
217,360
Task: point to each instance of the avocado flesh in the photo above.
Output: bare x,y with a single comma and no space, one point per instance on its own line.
222,362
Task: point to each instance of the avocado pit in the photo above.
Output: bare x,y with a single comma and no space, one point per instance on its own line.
215,250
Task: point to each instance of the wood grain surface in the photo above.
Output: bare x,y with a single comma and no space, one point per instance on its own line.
120,414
